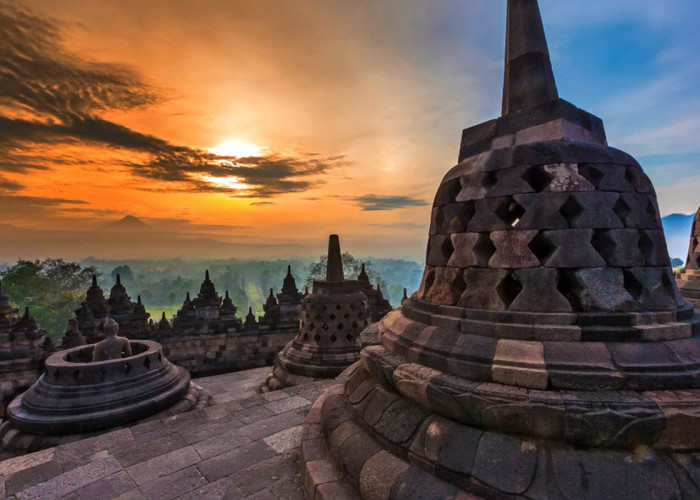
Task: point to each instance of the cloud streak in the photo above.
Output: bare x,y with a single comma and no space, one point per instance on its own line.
50,97
373,202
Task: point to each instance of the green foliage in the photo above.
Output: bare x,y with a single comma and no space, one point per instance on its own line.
676,262
52,289
351,269
124,272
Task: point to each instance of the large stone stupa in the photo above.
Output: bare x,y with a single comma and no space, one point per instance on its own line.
548,352
689,279
332,318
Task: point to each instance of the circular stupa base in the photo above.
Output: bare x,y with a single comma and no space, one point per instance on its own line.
18,442
355,443
300,363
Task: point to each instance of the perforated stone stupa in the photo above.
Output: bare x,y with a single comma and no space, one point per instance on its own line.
548,352
689,279
332,318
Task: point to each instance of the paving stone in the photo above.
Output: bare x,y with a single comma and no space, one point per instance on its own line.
108,487
31,476
279,475
210,428
253,414
163,465
133,453
227,463
221,489
175,484
222,443
71,481
285,441
285,405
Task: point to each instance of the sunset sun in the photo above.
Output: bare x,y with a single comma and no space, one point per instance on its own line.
237,149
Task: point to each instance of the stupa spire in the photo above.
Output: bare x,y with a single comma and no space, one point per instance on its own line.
334,269
529,79
94,280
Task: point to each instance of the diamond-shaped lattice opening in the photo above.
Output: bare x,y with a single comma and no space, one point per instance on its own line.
646,245
510,211
592,174
317,317
353,306
446,249
332,317
346,316
354,325
333,338
56,375
484,249
622,210
509,289
340,327
326,326
439,221
160,357
633,286
429,282
571,209
447,192
569,287
312,327
457,287
631,176
541,247
349,337
360,315
76,374
489,180
651,210
147,363
604,244
305,337
538,178
317,338
325,308
669,284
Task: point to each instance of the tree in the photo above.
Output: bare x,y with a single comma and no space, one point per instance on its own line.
52,289
124,272
351,269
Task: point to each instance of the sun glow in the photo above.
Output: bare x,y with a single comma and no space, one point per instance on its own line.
237,149
226,182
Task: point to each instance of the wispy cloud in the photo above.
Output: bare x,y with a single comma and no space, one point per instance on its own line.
373,202
49,96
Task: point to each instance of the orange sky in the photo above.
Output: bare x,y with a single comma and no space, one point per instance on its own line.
355,107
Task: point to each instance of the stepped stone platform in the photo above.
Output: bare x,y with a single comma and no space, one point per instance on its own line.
246,445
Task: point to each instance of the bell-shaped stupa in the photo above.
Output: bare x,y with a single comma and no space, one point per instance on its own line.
548,352
332,318
689,279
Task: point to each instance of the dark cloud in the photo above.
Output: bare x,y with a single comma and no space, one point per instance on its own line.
262,203
373,202
51,97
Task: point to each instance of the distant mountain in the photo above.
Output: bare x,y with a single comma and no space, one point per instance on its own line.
677,229
128,224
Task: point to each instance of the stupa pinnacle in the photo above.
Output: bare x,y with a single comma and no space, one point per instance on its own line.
548,352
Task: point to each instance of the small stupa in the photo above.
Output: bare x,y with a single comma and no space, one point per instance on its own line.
332,318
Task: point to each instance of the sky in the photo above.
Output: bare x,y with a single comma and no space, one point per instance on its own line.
282,121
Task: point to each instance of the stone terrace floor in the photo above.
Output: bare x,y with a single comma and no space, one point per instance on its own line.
244,446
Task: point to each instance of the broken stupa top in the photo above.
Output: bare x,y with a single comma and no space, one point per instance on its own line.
542,224
689,279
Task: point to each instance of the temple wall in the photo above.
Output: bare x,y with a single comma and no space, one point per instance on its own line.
219,353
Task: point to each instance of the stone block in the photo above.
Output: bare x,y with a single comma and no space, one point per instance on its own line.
581,366
482,289
607,177
600,289
520,363
490,215
540,292
471,250
498,453
512,250
569,249
565,178
542,211
619,247
439,250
